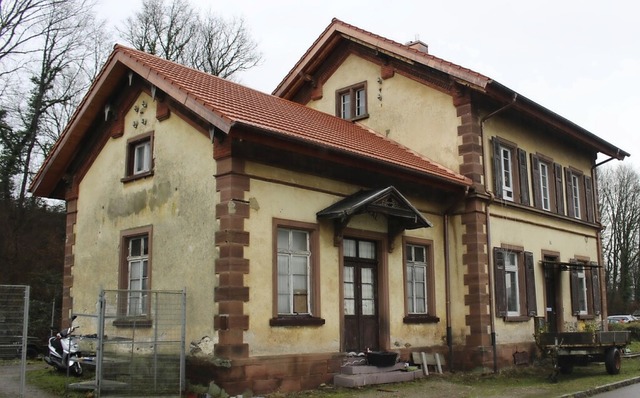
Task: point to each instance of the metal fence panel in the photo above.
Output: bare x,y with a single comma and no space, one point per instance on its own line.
141,343
14,322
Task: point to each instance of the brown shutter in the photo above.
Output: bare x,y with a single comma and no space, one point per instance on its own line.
524,177
535,181
497,168
575,304
588,194
530,275
569,183
501,288
557,171
595,286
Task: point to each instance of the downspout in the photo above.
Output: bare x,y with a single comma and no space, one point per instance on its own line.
488,228
447,276
603,282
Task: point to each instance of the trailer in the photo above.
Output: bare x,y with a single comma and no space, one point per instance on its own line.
568,349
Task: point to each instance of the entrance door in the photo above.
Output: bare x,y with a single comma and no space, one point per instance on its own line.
360,289
551,274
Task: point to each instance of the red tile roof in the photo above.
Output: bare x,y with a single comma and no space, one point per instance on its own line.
225,104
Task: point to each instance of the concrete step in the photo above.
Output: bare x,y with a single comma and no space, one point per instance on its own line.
366,379
363,369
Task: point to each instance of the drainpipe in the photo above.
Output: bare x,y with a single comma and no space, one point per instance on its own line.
603,281
488,227
447,274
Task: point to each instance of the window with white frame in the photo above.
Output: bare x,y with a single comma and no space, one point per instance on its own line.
582,291
511,283
507,173
544,186
138,269
293,272
351,102
575,186
139,157
416,263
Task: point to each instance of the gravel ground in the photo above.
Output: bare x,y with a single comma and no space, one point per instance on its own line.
10,381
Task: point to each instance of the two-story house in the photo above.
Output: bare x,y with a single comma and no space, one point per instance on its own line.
381,199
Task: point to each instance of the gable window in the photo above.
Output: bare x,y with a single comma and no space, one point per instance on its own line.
510,172
295,275
419,282
585,289
139,161
515,294
134,279
351,102
547,184
580,201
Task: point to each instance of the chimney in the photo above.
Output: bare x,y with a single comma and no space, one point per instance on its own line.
419,46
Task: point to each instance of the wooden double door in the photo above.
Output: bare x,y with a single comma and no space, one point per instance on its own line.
360,288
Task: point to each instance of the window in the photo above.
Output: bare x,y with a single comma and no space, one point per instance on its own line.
507,174
580,200
510,172
416,279
351,102
134,279
544,186
585,289
515,292
296,289
547,184
293,271
511,284
139,157
419,282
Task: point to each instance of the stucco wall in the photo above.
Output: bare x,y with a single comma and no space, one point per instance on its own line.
177,201
311,195
402,109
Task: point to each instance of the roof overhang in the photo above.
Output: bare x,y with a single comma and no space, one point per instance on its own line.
400,213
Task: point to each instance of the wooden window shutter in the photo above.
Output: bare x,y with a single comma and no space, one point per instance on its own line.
588,192
535,183
575,293
530,275
524,177
500,285
497,168
557,171
570,208
595,285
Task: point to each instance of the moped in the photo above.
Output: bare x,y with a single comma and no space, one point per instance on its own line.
63,351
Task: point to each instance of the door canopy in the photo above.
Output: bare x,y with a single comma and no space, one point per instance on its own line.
389,201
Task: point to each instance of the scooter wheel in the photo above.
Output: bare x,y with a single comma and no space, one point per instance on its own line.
76,369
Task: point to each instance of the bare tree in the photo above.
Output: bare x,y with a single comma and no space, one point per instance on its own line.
619,197
175,32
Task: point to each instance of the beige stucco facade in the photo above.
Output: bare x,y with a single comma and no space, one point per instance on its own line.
170,201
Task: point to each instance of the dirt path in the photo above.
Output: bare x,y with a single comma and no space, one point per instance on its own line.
10,381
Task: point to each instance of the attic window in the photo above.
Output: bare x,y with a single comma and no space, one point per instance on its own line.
351,102
139,157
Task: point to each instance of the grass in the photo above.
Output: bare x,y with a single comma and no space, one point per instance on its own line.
55,382
525,381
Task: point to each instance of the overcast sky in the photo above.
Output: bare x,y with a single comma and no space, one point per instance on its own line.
580,59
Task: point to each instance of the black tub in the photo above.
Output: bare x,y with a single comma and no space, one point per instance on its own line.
382,358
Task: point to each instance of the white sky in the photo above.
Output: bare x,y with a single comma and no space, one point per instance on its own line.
580,59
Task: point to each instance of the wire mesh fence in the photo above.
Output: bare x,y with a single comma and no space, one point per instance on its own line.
14,322
140,343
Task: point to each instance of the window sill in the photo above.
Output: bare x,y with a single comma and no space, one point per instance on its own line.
586,317
420,318
296,320
133,322
134,177
520,318
355,119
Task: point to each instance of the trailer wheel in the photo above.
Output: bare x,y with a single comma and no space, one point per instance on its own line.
612,360
565,364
